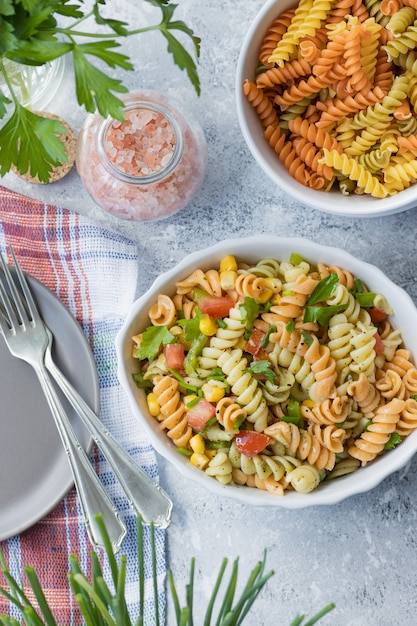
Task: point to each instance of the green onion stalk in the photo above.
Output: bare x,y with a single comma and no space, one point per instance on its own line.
104,604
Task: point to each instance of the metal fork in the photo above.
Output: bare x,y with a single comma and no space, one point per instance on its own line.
27,339
144,495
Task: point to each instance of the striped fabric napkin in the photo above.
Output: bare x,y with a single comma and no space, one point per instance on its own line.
93,272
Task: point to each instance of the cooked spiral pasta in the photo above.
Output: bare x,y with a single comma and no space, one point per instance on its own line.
372,441
347,69
163,312
276,392
172,416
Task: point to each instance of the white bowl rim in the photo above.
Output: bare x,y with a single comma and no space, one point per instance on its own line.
371,475
346,206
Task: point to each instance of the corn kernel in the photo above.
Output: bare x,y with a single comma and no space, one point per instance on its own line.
241,343
228,263
276,298
273,283
212,392
265,296
197,444
228,280
199,460
308,403
207,325
210,454
153,404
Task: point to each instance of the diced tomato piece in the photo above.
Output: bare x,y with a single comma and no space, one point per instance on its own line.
379,346
200,414
254,342
250,443
377,315
216,306
174,356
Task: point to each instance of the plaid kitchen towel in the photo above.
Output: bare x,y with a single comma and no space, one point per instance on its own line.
93,272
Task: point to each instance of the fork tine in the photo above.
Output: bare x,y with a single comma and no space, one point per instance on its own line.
29,300
13,297
4,297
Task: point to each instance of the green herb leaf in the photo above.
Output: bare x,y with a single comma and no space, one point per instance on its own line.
181,57
192,326
322,314
323,289
307,338
94,88
152,339
365,299
249,311
262,367
290,326
31,143
265,340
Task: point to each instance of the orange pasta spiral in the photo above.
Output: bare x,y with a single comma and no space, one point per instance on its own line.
365,394
372,441
408,419
274,34
260,103
172,417
329,411
228,412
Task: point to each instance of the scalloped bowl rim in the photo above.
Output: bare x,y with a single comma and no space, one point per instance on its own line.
329,202
253,249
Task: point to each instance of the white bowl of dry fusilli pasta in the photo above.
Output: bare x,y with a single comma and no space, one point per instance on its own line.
327,103
275,371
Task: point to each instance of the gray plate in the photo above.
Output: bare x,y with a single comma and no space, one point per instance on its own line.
34,471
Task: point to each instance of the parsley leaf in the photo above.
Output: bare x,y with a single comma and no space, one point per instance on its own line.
24,133
152,339
181,57
192,326
30,34
262,367
249,311
94,87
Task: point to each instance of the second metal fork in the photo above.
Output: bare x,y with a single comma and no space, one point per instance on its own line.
27,339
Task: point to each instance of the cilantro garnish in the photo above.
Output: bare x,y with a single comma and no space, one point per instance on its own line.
152,339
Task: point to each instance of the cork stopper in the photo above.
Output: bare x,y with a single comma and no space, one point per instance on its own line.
70,143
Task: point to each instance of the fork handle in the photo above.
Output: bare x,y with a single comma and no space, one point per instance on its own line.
92,495
144,495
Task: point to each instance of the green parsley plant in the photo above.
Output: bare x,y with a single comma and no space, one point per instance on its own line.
35,32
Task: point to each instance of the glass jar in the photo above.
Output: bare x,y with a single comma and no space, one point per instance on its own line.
35,86
147,167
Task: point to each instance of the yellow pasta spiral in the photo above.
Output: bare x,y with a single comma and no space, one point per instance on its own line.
349,167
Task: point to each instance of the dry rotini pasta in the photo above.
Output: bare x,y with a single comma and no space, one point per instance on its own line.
343,76
282,375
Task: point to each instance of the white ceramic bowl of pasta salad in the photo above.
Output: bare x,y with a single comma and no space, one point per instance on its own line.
286,395
273,97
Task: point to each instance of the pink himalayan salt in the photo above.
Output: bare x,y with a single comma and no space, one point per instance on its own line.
138,201
141,145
